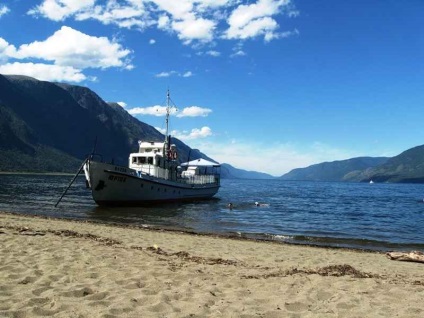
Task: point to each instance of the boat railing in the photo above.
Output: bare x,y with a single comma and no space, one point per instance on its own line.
200,179
158,172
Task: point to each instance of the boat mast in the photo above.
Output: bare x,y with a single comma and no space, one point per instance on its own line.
168,111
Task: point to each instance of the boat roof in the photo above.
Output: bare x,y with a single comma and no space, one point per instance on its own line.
200,163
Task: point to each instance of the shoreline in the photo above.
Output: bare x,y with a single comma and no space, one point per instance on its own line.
63,268
384,246
229,236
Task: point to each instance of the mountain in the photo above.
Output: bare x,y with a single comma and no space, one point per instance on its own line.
52,127
343,170
229,172
407,167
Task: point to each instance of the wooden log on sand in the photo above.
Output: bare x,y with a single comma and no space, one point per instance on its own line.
414,256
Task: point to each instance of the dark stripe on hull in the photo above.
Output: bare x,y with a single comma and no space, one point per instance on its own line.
151,202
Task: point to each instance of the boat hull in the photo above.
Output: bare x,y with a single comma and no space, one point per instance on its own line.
117,185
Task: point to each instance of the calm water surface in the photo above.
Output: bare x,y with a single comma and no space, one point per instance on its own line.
370,216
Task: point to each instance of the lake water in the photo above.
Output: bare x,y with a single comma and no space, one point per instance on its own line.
358,215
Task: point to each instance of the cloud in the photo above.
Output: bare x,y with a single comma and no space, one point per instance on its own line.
6,50
250,21
69,51
191,20
44,72
152,41
166,74
129,14
58,10
194,111
187,74
238,50
3,10
69,47
213,53
174,73
194,29
122,104
238,53
157,110
193,134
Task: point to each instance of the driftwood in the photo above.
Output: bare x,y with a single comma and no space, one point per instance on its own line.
414,256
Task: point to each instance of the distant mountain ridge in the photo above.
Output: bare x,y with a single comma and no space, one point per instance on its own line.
334,171
407,167
230,172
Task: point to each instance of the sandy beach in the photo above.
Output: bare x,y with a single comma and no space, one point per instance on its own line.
61,268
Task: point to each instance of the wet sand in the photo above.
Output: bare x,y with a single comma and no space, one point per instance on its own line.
61,268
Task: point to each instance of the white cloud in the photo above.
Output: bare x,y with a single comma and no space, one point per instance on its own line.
190,20
69,50
187,74
166,74
3,10
130,14
157,110
6,50
164,22
193,134
69,47
58,10
152,41
238,53
250,21
44,72
194,111
194,29
174,73
238,50
122,104
213,53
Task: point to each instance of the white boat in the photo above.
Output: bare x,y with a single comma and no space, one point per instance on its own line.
153,175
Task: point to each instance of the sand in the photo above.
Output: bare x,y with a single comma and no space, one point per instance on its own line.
60,268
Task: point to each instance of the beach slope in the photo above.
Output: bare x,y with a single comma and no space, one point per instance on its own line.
61,268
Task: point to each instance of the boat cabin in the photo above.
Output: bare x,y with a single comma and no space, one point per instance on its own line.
150,160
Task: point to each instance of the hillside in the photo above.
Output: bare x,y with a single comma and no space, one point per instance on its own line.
52,127
406,167
334,171
230,172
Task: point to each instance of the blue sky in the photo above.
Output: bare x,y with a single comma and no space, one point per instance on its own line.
264,85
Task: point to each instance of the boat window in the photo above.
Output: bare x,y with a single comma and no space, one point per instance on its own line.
150,160
142,160
134,159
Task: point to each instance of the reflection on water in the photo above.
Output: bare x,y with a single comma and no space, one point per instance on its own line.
378,216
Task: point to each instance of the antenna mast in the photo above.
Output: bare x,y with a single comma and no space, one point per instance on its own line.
168,111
